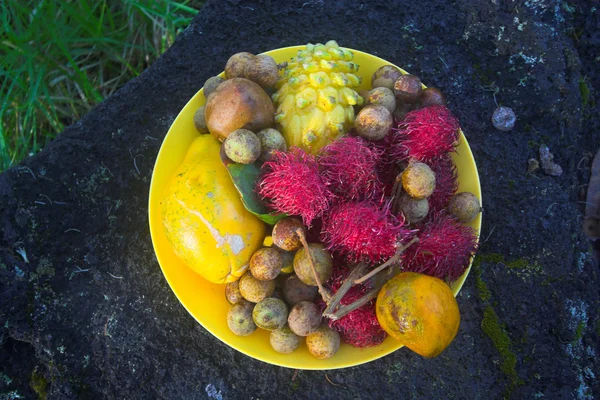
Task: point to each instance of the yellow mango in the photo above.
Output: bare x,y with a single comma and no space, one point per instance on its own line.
204,218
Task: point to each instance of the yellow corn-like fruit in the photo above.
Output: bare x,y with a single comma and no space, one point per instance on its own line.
315,96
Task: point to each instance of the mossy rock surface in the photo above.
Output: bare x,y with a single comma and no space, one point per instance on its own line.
86,311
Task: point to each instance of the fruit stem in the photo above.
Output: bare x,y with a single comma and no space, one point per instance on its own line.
326,296
392,260
339,294
351,281
345,310
396,193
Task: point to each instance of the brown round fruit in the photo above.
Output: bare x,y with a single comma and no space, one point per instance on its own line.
199,121
385,77
263,70
270,314
295,291
373,122
242,146
432,96
414,210
304,318
384,97
322,261
238,103
265,264
254,290
464,206
287,261
323,343
418,180
284,340
239,318
270,140
236,64
211,84
408,88
284,234
401,110
232,292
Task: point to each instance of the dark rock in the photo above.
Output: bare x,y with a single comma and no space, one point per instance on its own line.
86,312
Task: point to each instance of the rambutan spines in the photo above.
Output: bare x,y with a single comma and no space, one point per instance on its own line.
349,168
443,250
387,168
446,183
360,327
291,183
426,134
363,231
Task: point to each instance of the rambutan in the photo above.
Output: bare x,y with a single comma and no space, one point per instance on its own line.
349,168
360,327
290,183
387,168
443,250
446,183
426,134
363,231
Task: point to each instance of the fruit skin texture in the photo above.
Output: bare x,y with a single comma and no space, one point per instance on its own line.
446,183
270,314
270,140
285,236
464,206
349,167
291,183
374,122
323,264
236,64
295,291
323,343
304,318
363,231
239,319
443,250
420,311
316,95
426,134
266,264
418,180
254,290
242,146
284,340
238,103
262,69
204,219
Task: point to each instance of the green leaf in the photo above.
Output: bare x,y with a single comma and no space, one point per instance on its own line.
244,177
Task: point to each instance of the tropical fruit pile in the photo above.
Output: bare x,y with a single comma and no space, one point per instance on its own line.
354,192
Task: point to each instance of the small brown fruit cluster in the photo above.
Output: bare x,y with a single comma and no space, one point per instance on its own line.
284,278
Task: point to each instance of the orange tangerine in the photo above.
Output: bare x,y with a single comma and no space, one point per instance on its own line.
420,311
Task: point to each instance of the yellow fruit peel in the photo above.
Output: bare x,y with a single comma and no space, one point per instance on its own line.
204,218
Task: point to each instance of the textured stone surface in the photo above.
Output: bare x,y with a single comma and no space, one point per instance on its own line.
86,312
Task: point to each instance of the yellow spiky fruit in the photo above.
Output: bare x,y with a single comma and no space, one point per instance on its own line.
315,96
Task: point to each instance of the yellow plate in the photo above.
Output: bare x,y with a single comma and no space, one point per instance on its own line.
206,301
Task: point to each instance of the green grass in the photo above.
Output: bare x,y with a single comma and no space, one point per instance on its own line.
58,59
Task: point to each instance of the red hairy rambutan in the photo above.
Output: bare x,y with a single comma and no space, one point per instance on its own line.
290,183
387,169
446,183
363,231
349,168
426,134
360,327
443,250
